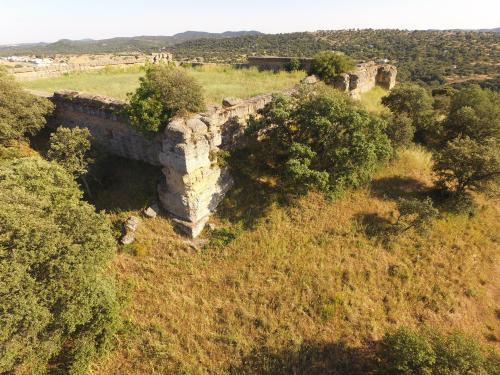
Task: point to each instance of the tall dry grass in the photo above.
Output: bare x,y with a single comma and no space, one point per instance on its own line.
309,286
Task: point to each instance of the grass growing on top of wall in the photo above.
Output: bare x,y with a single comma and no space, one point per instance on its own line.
219,81
305,287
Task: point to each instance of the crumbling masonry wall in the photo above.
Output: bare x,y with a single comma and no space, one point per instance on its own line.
193,184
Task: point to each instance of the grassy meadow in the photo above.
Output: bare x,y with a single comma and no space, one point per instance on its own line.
303,287
219,81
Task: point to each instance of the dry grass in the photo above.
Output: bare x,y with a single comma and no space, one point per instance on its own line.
306,286
372,100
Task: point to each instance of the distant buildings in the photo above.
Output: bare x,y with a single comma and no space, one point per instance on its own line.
29,60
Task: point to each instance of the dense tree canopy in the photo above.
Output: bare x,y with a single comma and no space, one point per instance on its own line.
20,112
319,139
58,302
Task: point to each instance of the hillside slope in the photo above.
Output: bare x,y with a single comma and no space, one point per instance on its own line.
305,288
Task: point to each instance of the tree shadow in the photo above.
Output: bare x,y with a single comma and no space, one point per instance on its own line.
253,192
373,225
395,187
311,358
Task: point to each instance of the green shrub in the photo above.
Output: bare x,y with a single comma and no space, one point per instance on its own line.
69,148
400,130
164,92
59,304
407,352
467,164
293,65
328,64
474,113
20,112
318,139
414,102
416,213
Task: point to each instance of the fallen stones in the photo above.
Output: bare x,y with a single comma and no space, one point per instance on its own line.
152,211
310,80
230,102
129,227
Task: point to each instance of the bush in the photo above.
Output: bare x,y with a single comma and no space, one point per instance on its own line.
415,213
69,147
415,103
328,64
59,304
400,131
318,139
20,112
294,65
166,91
467,164
475,113
407,352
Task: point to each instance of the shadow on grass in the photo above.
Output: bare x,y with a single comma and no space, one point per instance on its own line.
396,187
310,358
373,225
253,192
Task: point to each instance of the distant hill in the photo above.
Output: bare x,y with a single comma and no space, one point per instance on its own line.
115,45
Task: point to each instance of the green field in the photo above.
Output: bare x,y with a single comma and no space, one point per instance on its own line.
219,81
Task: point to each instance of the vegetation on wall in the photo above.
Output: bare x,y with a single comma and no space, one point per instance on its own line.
327,65
164,92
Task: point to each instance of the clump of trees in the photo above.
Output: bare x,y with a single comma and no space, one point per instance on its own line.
328,64
408,352
164,92
318,139
59,304
460,127
21,113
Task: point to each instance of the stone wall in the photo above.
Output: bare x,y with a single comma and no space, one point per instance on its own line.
276,64
110,129
193,183
365,77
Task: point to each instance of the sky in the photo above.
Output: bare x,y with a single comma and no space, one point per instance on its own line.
23,21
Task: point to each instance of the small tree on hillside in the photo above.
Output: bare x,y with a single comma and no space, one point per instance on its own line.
164,92
466,164
475,113
328,64
414,102
70,147
20,112
318,139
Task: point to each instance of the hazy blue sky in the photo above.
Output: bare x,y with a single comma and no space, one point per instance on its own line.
50,20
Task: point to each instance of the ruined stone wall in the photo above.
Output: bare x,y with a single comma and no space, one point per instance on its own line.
109,128
193,183
278,63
